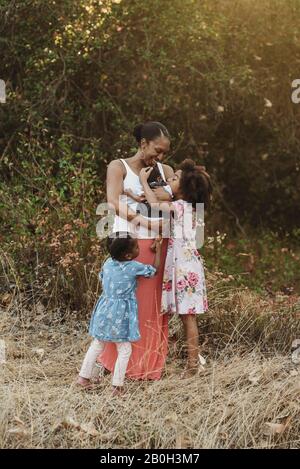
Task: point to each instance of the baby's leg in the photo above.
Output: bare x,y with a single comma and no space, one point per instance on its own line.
192,339
124,351
89,361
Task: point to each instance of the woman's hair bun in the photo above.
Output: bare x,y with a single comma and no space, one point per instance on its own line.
150,131
137,132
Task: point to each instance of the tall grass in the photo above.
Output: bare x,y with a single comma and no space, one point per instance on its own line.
246,397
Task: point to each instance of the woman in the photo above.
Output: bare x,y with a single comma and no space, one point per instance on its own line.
149,353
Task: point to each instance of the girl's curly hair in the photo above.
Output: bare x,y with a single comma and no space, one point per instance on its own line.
195,183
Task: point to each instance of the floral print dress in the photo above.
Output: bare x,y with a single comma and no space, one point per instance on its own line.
184,289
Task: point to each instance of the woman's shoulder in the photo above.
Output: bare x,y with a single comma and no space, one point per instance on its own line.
116,166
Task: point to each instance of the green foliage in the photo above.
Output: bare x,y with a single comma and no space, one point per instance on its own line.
263,262
81,74
217,73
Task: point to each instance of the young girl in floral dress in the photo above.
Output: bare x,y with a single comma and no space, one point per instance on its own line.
184,290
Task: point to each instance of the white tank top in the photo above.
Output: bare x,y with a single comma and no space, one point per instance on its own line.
132,181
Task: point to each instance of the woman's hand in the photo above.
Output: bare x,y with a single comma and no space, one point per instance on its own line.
138,198
144,174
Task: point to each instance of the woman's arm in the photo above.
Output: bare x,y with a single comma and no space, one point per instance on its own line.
114,189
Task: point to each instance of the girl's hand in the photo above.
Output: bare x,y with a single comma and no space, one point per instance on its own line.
157,244
144,174
161,194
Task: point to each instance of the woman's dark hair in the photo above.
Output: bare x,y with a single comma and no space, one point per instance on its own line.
150,131
119,244
195,184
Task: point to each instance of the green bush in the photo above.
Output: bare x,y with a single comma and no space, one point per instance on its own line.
81,74
217,73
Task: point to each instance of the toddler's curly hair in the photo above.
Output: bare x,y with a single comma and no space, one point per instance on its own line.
119,244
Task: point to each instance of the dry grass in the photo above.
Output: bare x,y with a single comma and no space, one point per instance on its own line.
249,382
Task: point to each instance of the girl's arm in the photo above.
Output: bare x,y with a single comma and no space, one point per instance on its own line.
157,247
163,194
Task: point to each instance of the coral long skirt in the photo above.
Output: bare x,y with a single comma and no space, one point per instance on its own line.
149,353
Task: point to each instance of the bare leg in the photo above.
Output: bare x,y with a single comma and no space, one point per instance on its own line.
192,340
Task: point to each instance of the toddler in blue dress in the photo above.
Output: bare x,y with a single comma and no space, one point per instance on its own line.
115,316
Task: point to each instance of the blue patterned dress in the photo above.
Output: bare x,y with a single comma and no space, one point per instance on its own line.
115,316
